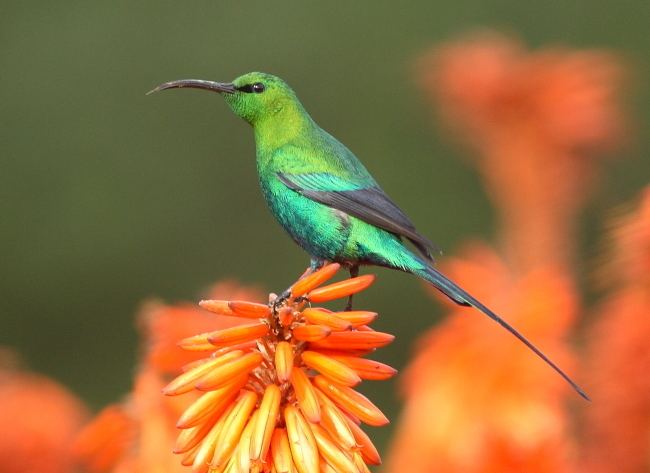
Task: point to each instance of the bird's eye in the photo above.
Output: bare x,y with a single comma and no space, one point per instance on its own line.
257,88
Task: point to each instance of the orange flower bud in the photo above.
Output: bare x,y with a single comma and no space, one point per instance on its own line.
238,334
331,368
367,369
341,289
185,382
311,333
356,317
314,280
355,340
325,317
227,372
250,310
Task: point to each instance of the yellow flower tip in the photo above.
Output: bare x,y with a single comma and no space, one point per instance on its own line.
283,361
341,289
250,310
314,280
281,452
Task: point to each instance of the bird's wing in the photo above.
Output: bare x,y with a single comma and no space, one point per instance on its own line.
370,204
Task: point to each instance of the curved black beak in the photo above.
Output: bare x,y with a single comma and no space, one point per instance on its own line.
220,87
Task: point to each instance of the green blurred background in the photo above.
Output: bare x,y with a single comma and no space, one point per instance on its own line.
109,197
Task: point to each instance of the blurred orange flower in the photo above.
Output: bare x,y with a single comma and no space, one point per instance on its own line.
617,431
137,434
535,119
39,419
277,393
164,325
477,401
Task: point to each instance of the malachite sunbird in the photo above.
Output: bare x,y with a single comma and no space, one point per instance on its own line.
323,195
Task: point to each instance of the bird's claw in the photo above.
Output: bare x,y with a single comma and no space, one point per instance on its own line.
280,300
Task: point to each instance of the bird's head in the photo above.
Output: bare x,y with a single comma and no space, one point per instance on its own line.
253,96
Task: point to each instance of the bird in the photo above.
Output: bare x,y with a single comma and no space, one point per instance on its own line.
326,199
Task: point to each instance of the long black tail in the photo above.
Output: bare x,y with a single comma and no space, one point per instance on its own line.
460,296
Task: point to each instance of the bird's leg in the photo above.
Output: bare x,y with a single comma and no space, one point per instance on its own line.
354,272
314,265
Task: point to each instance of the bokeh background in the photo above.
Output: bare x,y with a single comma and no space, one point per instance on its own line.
110,198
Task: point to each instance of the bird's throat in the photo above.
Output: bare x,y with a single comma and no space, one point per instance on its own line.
286,125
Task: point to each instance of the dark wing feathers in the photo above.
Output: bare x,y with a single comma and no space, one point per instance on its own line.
370,204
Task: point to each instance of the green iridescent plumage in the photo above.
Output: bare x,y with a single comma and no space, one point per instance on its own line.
324,197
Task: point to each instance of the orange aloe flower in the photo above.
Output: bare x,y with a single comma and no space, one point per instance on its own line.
276,394
536,119
39,418
476,400
617,432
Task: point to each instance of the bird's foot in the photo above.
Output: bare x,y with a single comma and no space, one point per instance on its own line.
354,272
280,300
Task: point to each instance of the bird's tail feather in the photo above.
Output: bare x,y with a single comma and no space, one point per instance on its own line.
461,297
